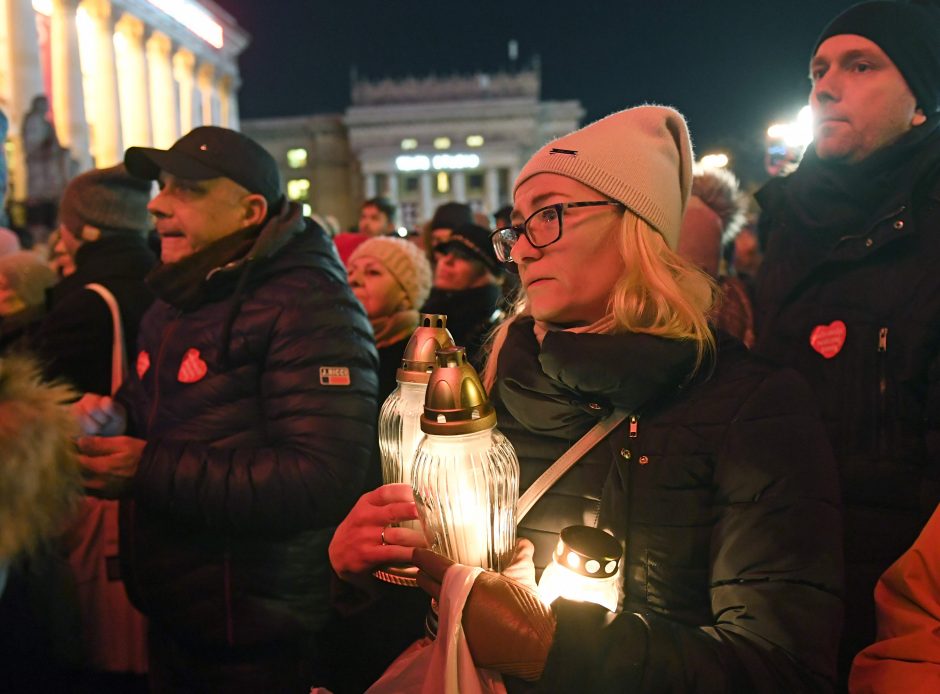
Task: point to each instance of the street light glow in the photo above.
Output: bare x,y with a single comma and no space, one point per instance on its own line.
718,160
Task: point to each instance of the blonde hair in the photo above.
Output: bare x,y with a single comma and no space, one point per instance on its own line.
39,478
659,293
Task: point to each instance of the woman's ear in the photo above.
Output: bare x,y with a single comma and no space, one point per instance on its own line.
919,118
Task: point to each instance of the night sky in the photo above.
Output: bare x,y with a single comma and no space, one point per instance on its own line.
731,67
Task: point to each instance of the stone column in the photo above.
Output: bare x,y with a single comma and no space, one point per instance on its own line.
134,82
106,105
458,185
491,190
184,64
368,185
25,75
164,100
68,100
427,199
207,97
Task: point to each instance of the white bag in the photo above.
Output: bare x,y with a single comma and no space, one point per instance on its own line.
442,666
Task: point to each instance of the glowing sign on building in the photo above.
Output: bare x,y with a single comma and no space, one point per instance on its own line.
439,162
194,18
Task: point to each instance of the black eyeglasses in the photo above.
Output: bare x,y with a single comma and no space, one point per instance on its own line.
542,228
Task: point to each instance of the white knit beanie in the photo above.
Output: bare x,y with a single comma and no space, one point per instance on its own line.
404,260
641,157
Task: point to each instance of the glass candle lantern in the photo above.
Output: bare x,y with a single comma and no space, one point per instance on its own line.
585,567
466,473
400,418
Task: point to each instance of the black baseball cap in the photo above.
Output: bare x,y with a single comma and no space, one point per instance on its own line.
211,152
473,240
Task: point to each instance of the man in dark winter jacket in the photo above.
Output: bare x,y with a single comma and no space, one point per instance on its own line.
252,408
849,292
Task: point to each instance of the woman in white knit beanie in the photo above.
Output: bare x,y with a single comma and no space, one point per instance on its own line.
711,475
391,277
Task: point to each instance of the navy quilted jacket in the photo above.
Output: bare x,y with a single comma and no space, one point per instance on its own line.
259,410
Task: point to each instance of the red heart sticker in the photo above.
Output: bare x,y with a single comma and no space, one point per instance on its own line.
193,368
143,363
828,339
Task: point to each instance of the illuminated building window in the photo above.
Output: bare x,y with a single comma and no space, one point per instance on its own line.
409,143
441,142
298,189
307,210
474,140
443,182
297,158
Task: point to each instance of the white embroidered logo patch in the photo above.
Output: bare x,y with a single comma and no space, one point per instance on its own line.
334,376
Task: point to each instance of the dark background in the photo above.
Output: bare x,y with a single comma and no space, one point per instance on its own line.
731,67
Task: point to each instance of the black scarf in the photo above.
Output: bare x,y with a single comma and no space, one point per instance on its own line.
211,273
834,198
549,389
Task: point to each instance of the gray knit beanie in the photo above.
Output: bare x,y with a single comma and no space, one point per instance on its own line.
106,200
404,260
641,157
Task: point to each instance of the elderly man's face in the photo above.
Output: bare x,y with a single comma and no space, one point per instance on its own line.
860,100
192,214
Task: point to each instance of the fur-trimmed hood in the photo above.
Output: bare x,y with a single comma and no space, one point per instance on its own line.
39,473
720,191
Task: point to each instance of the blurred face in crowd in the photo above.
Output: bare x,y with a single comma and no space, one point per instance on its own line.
569,282
457,269
192,214
373,222
376,288
860,100
68,243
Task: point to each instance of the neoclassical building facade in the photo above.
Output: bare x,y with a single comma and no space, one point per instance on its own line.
117,73
419,141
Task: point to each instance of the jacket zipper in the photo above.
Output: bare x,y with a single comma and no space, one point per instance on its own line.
167,333
634,425
882,390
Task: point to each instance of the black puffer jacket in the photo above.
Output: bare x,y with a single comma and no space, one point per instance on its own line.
723,492
879,393
259,409
74,340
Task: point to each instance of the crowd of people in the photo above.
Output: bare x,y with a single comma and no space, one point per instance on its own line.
190,378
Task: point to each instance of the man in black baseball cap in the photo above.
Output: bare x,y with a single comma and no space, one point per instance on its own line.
251,405
849,294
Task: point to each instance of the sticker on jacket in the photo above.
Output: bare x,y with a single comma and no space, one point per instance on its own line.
334,376
192,368
828,339
143,363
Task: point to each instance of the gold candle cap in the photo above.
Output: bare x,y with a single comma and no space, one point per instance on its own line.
456,402
430,336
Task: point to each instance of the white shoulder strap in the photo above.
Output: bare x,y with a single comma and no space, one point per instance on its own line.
567,459
118,351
